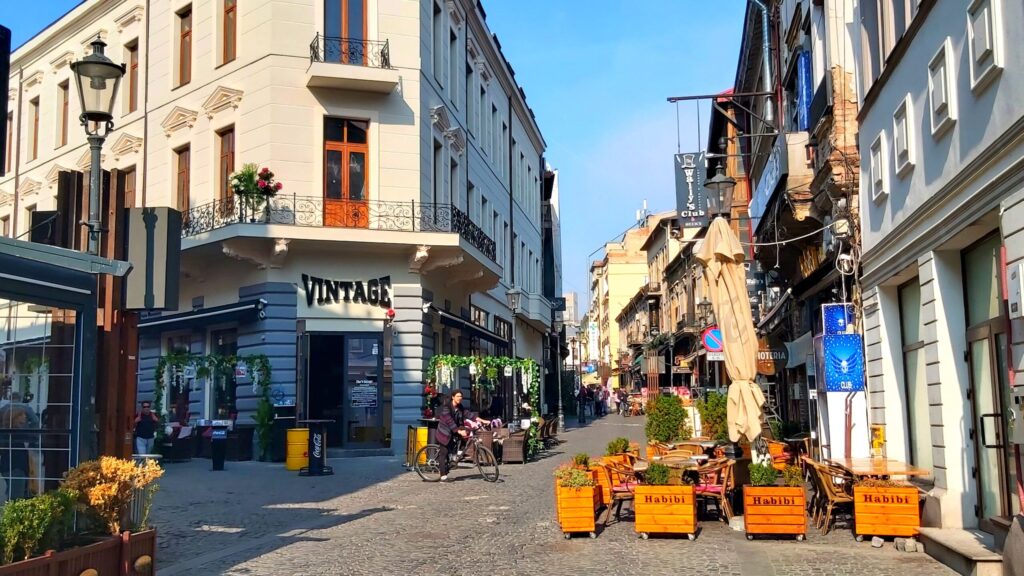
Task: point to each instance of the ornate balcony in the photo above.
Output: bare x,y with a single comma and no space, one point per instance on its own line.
352,64
316,211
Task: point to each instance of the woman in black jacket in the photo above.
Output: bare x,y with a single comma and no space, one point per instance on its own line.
450,427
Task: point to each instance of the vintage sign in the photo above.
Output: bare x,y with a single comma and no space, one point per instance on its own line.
324,291
772,357
691,170
843,356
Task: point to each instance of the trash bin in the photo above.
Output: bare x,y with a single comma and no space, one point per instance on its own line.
219,442
317,449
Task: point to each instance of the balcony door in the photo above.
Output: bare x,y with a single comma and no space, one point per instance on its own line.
345,31
346,182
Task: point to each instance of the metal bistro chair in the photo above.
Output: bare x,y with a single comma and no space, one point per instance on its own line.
623,482
716,483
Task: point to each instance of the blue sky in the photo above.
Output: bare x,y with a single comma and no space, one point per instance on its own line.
596,73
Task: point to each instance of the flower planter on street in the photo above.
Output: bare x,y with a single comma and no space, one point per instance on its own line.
126,555
665,510
577,508
774,510
886,511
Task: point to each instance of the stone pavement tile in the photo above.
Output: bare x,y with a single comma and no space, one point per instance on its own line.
373,518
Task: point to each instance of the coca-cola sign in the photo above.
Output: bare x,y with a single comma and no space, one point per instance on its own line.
318,444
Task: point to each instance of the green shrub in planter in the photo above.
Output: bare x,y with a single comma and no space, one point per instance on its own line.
27,523
617,446
712,410
656,475
762,475
582,460
666,420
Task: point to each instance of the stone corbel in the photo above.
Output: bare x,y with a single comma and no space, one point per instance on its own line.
456,139
442,262
453,13
419,258
256,252
439,117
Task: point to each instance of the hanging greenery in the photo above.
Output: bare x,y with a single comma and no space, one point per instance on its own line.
259,371
441,377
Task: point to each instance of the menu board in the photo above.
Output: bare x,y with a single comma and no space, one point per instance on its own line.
363,394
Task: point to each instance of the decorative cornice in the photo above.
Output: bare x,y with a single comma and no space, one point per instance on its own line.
457,139
454,14
222,98
439,117
53,174
63,60
125,145
85,160
485,73
12,94
177,119
6,198
130,17
33,79
102,33
28,187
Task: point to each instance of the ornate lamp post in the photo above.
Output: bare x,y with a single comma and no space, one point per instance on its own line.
513,296
97,79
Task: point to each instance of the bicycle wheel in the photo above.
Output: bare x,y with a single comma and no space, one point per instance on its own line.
487,464
426,465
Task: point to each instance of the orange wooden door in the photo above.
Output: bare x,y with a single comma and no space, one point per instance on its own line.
345,186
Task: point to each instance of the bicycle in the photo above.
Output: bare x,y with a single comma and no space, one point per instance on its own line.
428,469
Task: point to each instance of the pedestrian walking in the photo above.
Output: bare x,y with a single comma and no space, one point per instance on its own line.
581,403
145,429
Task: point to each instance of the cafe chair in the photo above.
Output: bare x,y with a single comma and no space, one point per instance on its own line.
623,482
779,451
715,483
837,491
513,448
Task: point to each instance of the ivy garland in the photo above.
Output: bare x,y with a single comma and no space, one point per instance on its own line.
483,375
174,364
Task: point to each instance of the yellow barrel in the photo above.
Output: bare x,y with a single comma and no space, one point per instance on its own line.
421,440
297,452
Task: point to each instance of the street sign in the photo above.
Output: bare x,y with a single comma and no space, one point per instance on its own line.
712,339
716,356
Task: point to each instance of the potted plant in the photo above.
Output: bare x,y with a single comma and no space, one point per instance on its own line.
662,508
254,186
615,449
712,410
769,508
577,500
885,508
667,420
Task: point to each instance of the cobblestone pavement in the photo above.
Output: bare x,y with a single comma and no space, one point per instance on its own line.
374,518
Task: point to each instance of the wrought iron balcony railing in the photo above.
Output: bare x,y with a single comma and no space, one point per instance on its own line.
316,211
354,51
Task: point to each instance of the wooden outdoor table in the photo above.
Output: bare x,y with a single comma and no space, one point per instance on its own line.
681,463
878,467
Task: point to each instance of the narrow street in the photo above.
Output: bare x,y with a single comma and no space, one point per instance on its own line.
384,520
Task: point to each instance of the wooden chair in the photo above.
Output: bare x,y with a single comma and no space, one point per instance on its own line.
779,451
716,483
623,482
694,448
837,490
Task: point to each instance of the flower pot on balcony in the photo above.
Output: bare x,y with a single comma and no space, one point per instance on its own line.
665,510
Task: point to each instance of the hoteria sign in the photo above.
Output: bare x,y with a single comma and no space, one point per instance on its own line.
373,292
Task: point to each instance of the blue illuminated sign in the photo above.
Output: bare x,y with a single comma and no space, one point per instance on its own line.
835,318
844,362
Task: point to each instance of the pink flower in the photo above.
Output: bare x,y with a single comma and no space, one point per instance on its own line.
262,184
264,170
278,186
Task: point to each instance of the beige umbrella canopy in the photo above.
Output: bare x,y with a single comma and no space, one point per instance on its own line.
726,280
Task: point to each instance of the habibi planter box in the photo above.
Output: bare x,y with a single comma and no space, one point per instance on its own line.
886,511
577,508
665,510
601,480
774,510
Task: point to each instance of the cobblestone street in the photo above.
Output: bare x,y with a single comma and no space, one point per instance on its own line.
375,518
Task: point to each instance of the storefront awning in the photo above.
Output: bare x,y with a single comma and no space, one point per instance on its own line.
799,349
470,329
244,311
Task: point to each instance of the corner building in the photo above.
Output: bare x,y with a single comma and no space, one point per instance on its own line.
412,172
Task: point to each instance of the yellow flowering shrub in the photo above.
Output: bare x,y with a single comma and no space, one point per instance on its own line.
107,485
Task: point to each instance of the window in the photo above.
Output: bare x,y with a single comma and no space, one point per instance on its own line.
470,100
482,121
33,110
983,25
62,118
453,67
132,85
485,216
29,210
941,105
902,137
129,187
502,158
494,129
229,29
438,31
5,226
479,316
453,181
507,257
185,46
10,142
345,31
182,167
878,167
226,152
346,153
914,378
493,229
438,174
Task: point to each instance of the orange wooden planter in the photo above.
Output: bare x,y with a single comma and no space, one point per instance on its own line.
886,511
774,510
601,479
665,510
577,508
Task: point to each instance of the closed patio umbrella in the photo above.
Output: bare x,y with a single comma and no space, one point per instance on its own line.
725,277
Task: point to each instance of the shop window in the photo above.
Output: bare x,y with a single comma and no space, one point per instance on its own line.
177,382
915,383
222,395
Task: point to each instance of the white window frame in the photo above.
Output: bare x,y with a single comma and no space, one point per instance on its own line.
940,124
982,76
904,114
878,161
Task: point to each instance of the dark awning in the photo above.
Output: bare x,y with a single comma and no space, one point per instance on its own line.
454,321
243,311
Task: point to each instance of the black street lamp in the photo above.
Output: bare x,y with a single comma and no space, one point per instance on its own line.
704,311
721,187
97,79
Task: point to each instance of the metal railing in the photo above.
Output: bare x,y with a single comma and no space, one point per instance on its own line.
316,211
354,51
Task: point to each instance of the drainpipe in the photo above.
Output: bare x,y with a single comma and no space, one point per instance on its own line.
766,72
